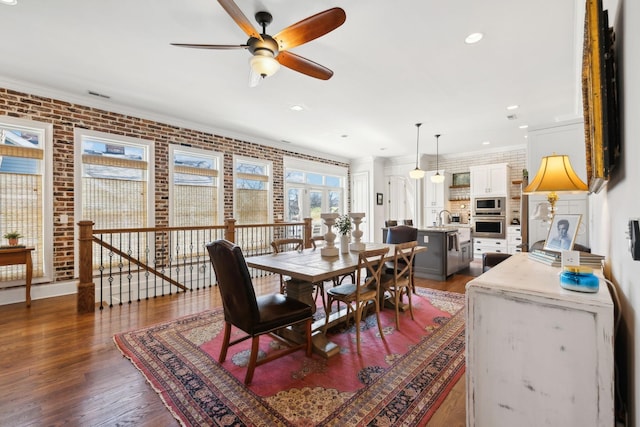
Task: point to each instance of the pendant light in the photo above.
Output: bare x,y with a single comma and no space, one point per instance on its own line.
417,173
437,178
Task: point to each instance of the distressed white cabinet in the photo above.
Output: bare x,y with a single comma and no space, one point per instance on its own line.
489,180
537,354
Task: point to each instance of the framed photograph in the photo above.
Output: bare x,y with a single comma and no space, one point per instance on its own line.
462,179
378,198
562,233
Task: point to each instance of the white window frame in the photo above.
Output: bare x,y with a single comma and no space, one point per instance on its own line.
309,166
47,197
269,170
199,152
79,134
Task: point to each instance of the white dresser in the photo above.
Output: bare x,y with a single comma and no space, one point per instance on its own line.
537,354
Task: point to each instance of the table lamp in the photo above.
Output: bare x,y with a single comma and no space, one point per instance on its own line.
554,176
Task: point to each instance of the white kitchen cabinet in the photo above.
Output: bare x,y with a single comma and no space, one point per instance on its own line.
436,194
514,239
490,180
483,245
537,354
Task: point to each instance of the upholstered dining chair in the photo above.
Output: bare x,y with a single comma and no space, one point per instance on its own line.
407,222
255,316
358,295
294,244
401,234
399,281
390,223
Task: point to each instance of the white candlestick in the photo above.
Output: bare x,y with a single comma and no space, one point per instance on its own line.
357,245
330,237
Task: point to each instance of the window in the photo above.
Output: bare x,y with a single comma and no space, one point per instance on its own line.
115,179
194,195
26,189
252,191
313,188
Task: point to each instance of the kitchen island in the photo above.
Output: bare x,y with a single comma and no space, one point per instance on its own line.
449,251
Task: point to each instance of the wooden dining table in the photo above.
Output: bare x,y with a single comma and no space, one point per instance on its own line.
309,266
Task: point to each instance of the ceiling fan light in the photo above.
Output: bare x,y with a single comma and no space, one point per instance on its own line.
264,66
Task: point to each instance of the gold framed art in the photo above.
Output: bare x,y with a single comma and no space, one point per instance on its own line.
599,96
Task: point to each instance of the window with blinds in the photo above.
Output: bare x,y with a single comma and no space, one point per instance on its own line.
24,203
116,188
195,187
252,196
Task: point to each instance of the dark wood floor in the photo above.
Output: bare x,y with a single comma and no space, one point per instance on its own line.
58,367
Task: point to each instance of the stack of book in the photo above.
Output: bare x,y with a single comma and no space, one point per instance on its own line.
554,259
551,258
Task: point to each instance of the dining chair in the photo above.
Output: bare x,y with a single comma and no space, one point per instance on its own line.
399,281
401,234
365,290
255,316
390,223
337,280
295,244
407,222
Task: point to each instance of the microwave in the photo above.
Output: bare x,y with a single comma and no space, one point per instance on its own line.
489,227
489,206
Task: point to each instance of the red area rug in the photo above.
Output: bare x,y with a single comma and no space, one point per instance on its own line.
399,381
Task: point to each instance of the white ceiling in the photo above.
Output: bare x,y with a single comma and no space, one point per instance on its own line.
395,63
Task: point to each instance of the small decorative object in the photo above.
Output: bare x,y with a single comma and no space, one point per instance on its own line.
579,278
357,245
330,237
13,237
344,226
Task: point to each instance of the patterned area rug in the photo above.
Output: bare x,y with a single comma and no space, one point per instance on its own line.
400,380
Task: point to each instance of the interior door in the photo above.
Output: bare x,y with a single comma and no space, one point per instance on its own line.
360,202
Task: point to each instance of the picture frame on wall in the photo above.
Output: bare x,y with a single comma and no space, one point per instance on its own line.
599,96
562,233
379,198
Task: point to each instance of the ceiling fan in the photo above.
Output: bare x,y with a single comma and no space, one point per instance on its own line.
269,52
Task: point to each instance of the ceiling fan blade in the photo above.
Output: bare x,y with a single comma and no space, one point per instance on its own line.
304,65
310,28
236,14
211,46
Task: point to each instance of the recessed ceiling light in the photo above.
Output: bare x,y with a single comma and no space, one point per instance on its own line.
513,107
344,136
486,142
523,126
473,38
297,107
9,2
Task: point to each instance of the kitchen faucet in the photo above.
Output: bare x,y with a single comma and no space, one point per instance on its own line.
440,217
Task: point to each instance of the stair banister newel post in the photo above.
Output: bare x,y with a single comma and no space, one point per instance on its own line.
230,229
86,297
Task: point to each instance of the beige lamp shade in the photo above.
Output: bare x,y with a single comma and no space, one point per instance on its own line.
555,175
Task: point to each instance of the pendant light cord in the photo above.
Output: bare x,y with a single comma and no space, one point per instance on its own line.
437,168
417,143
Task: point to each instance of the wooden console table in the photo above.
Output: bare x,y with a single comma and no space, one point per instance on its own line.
19,256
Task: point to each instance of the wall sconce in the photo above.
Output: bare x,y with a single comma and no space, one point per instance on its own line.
555,175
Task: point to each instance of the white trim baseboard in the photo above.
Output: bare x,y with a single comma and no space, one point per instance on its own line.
38,291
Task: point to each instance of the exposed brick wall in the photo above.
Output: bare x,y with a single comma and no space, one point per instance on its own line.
65,117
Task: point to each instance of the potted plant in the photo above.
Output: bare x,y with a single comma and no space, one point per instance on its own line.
12,237
344,226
